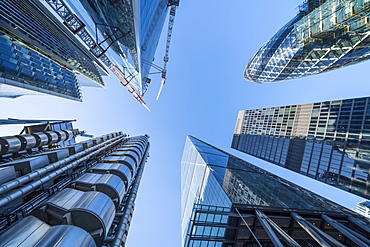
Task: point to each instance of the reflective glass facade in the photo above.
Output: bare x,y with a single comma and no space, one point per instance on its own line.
131,31
327,141
214,183
325,35
88,38
19,65
363,208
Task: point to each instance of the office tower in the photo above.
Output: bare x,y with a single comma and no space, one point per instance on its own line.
228,202
56,46
327,141
77,195
363,208
323,36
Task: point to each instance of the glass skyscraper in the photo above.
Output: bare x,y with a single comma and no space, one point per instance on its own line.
56,46
328,141
75,194
228,202
363,208
325,35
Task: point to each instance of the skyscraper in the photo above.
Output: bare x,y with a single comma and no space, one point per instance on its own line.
325,35
76,195
56,46
328,141
363,208
228,202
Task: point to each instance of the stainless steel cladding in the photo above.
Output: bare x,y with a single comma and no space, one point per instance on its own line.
131,154
54,137
7,173
109,184
28,141
92,211
131,148
75,148
55,155
10,144
66,236
97,140
43,139
13,144
36,233
70,134
120,170
63,135
125,160
27,165
87,144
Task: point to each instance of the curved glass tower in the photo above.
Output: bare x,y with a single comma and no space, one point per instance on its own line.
325,35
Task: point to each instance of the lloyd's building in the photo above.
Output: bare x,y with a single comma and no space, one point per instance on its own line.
56,192
55,46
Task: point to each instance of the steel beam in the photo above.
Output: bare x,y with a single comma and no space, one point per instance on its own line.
288,239
262,218
349,233
360,223
250,230
320,237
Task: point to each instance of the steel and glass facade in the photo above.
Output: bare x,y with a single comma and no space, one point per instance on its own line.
325,35
56,46
82,194
229,202
328,141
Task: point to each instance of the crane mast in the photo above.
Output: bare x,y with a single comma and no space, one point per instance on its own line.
174,4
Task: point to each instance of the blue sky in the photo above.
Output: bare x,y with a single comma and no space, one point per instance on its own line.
211,44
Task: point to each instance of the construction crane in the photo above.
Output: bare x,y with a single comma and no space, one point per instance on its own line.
174,4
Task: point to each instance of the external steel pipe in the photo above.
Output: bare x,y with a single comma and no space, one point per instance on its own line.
21,192
42,171
16,143
121,228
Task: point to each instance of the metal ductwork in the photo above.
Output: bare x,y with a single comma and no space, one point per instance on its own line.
125,160
92,211
96,208
136,149
128,153
31,231
109,184
117,169
14,144
49,172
